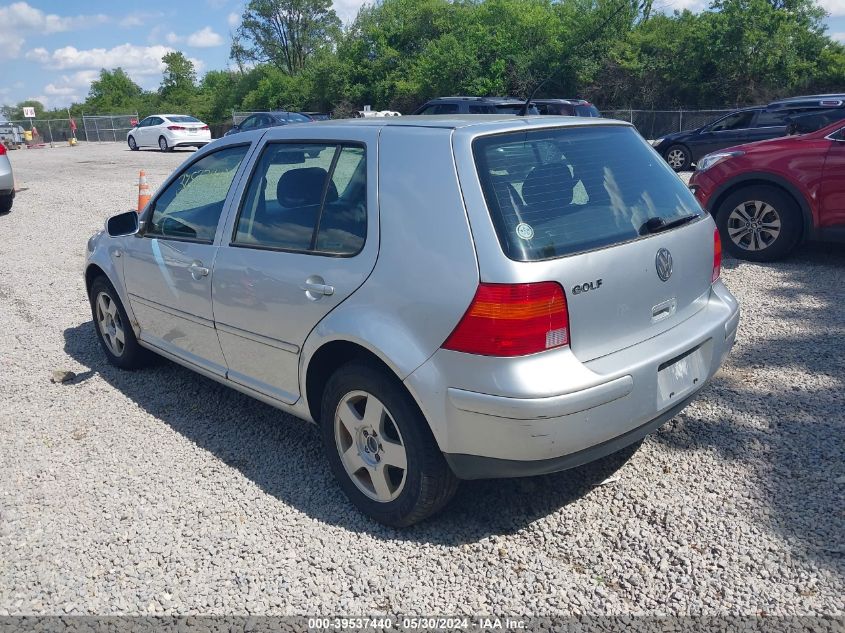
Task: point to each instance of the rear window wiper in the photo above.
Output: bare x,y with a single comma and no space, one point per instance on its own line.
658,224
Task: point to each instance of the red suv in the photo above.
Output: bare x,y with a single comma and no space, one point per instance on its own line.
768,196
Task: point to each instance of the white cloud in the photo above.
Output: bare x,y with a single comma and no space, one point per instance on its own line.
140,60
836,8
839,37
172,38
234,19
139,18
205,38
19,19
347,9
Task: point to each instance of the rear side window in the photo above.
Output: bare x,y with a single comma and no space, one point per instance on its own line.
556,192
586,110
308,198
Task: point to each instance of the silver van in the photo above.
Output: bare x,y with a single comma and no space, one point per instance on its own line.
447,298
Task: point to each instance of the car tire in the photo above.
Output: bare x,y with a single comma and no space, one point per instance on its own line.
132,144
6,204
678,157
759,223
111,323
365,409
162,145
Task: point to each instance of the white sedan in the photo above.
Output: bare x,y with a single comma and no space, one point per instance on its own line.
167,131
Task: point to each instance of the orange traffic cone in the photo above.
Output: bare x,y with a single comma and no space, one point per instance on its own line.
143,191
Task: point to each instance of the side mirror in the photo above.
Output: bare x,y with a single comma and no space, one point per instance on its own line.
122,224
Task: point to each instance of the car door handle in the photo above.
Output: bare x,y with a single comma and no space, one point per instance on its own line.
322,289
198,270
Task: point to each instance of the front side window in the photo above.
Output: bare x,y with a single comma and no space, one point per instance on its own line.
738,121
190,207
307,197
249,123
771,119
557,192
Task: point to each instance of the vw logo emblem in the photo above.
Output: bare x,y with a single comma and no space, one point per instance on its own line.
663,263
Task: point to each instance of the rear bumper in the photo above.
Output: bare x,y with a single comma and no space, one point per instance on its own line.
548,412
189,140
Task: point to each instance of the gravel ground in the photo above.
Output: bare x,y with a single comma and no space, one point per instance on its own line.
163,492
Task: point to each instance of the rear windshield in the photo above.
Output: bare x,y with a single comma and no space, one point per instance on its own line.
586,110
183,119
556,192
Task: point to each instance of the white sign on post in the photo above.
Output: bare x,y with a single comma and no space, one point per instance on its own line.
29,113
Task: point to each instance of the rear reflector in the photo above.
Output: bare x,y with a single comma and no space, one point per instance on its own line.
717,256
512,320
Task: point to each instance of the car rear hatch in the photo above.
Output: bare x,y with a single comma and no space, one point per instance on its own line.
595,209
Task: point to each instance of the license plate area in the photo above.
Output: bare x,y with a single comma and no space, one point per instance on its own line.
680,376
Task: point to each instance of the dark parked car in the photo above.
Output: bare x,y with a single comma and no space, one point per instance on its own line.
748,125
767,197
566,107
318,116
261,120
474,105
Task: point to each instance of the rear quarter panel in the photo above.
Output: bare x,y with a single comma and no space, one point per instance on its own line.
426,273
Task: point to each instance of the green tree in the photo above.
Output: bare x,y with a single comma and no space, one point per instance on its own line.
178,82
285,33
113,91
15,112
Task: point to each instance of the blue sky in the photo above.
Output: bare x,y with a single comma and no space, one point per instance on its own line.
51,50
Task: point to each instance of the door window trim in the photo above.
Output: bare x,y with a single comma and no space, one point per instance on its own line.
148,215
339,145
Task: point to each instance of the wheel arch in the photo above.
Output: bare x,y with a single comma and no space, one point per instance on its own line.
770,180
327,358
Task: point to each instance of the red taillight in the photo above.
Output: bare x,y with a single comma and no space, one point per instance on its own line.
512,320
2,149
175,127
204,127
717,256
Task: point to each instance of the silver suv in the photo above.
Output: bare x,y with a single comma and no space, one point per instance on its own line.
447,298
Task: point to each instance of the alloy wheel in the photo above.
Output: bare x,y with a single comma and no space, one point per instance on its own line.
754,225
676,158
370,445
110,324
162,144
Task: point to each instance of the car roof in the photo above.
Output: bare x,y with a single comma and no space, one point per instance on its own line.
835,95
482,99
570,101
493,122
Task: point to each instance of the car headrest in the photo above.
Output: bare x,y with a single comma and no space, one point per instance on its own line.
304,187
549,184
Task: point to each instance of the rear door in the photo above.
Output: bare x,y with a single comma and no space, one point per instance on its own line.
581,216
303,239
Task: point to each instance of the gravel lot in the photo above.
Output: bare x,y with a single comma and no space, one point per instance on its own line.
163,492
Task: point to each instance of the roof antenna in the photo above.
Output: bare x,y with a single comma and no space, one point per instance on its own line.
524,110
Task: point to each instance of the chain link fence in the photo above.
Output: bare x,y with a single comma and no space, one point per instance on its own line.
40,131
653,124
112,127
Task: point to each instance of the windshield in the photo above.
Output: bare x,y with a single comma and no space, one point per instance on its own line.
181,118
560,191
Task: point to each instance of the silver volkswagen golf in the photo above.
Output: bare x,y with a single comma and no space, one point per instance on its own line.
447,298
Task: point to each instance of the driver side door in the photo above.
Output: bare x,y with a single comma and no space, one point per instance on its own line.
167,266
